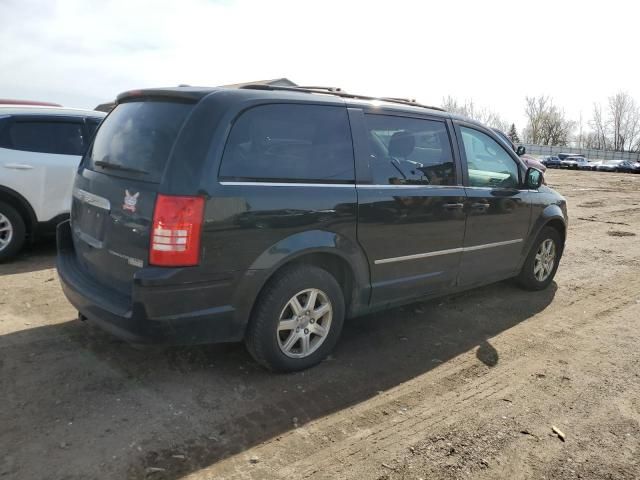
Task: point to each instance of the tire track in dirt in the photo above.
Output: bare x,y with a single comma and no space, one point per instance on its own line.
372,432
396,438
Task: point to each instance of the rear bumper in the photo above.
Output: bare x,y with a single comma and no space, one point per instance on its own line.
157,310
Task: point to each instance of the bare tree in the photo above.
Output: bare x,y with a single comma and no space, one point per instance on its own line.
599,138
546,123
580,141
535,110
620,129
624,121
471,110
591,140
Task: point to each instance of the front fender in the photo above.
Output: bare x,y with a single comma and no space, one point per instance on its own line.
294,247
551,213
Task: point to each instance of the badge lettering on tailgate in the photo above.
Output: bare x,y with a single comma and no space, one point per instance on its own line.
134,262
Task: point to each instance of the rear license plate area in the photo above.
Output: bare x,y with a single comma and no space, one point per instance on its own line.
89,222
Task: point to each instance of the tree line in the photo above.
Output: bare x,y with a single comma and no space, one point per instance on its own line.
613,126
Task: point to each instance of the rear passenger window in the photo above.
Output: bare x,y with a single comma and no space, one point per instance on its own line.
409,151
299,143
64,138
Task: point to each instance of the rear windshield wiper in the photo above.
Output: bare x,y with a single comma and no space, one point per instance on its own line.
115,166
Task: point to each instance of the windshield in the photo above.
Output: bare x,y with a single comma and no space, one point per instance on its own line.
135,140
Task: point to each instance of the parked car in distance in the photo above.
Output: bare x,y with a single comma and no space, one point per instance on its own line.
12,101
40,150
593,165
564,156
551,161
610,166
574,163
587,165
628,166
270,214
531,161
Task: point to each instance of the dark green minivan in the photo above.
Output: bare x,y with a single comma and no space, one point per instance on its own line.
271,214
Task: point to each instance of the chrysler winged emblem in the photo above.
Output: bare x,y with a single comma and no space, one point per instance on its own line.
130,201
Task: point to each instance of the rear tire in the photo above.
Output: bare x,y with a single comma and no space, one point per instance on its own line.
542,262
12,231
281,334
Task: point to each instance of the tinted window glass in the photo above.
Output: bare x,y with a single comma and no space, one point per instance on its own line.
409,151
290,143
488,162
92,126
137,136
64,138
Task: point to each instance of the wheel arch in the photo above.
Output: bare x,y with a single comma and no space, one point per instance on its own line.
559,225
22,206
552,216
337,254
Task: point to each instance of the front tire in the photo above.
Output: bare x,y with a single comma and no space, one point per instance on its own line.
297,320
542,262
12,231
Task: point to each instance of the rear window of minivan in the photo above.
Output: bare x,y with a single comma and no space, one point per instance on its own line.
135,140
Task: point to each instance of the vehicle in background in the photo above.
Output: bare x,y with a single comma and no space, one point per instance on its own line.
610,166
531,161
593,165
520,151
564,156
11,101
551,161
40,150
628,166
270,214
574,163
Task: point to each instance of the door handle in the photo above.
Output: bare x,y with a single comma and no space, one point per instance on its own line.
18,166
453,206
480,205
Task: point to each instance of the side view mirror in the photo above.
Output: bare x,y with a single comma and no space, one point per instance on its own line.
533,178
521,150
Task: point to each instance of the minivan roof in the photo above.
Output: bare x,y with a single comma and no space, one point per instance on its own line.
312,94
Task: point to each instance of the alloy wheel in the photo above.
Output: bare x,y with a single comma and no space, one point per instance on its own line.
545,260
304,323
6,232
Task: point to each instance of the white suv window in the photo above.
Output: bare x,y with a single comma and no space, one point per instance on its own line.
64,138
488,163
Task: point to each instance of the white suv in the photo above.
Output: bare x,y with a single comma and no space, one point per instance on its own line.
40,150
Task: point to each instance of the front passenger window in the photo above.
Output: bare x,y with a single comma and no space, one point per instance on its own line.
488,163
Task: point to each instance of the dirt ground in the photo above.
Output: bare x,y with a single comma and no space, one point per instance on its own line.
468,386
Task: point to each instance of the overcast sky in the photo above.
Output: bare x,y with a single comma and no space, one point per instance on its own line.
81,53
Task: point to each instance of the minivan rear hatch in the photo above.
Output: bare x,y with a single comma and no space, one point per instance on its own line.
115,192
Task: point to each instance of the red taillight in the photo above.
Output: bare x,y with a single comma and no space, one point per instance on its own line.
175,234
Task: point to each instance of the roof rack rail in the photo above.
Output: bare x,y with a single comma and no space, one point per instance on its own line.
328,89
339,93
411,100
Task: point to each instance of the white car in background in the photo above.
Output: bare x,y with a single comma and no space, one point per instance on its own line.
575,162
40,150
